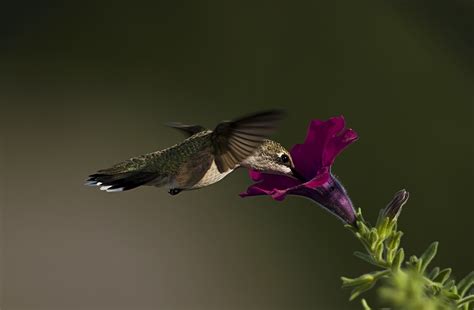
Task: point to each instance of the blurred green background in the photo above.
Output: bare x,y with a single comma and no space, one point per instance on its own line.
86,84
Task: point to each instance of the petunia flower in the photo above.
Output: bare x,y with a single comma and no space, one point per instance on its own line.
313,160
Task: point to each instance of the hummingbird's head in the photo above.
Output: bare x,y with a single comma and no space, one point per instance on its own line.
271,157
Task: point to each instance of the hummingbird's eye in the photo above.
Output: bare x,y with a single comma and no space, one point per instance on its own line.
285,158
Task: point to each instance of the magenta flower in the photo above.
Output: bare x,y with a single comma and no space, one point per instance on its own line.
313,160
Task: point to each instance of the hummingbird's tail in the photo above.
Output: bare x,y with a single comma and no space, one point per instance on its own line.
121,181
123,176
127,174
118,182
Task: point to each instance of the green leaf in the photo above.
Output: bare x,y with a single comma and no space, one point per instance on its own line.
395,241
449,284
380,218
363,229
428,256
451,295
373,238
365,305
351,228
359,215
398,260
464,285
414,262
443,275
413,259
434,273
465,301
360,289
418,264
365,257
382,228
363,279
379,251
454,289
390,255
392,227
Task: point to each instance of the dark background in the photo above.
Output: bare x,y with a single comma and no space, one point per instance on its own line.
87,84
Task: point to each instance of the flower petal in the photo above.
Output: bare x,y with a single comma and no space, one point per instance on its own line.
255,175
270,184
336,145
321,178
330,128
324,141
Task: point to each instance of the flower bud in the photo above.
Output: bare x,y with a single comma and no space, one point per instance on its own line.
394,207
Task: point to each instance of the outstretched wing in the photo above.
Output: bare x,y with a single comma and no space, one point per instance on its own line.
188,130
236,140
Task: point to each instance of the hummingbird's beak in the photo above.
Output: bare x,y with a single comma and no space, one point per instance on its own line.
297,175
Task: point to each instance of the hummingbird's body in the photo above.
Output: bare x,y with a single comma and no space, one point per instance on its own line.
186,165
202,159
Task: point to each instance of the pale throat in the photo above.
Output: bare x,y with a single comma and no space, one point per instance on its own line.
256,162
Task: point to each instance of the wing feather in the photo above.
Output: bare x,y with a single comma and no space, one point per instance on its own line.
187,130
235,140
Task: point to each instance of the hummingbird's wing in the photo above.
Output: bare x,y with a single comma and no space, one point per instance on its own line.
188,130
234,141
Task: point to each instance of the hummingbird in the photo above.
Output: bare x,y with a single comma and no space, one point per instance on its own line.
204,157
